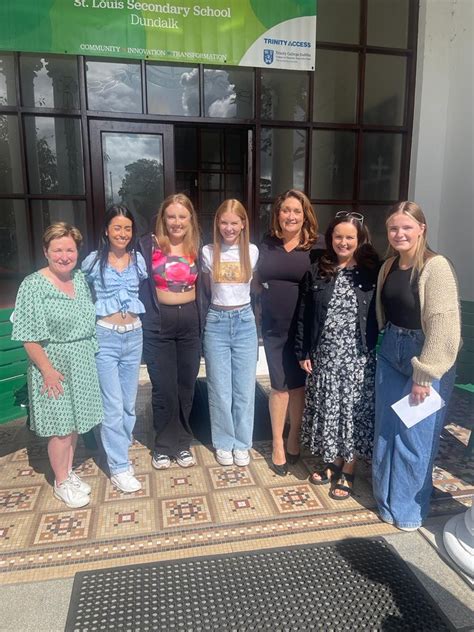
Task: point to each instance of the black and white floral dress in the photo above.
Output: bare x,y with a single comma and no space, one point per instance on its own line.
338,419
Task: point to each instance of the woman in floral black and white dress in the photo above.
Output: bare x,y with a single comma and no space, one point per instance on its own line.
337,334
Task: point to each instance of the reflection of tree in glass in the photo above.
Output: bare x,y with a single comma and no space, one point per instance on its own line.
142,190
7,79
220,94
48,167
113,86
167,86
8,249
190,98
5,162
45,157
282,155
8,245
285,97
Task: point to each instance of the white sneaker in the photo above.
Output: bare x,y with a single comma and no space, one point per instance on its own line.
224,457
160,461
241,457
126,482
69,493
184,458
407,528
81,485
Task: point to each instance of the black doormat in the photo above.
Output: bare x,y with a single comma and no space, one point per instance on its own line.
350,585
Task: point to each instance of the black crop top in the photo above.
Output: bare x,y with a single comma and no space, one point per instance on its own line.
400,298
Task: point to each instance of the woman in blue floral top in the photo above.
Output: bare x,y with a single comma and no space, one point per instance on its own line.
114,272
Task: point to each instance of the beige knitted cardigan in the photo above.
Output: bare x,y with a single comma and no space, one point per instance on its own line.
440,318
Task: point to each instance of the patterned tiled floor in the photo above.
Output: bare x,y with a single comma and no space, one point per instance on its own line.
182,512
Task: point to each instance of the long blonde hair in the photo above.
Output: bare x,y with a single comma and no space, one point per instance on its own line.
423,252
233,206
191,239
309,230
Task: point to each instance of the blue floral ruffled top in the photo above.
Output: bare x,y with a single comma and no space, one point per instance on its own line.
117,291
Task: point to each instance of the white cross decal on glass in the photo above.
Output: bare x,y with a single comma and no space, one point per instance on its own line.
379,168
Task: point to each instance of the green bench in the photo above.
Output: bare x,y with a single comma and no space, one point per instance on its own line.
13,365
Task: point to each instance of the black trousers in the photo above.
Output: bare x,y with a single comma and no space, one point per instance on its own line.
172,357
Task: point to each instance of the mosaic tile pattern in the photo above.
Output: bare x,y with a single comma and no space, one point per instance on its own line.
291,498
180,512
62,527
18,499
125,519
237,505
180,482
206,509
15,531
230,477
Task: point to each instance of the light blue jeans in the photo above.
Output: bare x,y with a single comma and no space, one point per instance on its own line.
118,366
403,458
230,351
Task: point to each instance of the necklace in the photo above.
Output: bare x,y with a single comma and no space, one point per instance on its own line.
119,262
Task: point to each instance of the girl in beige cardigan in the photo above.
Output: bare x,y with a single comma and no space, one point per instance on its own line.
418,308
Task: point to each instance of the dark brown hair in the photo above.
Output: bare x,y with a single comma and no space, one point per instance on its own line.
309,230
365,254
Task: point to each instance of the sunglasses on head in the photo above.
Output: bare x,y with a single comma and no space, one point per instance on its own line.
358,216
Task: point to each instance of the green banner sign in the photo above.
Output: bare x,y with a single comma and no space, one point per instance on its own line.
273,33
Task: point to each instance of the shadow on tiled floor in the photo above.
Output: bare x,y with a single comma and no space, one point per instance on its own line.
183,512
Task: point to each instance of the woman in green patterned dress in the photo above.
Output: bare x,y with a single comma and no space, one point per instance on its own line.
55,319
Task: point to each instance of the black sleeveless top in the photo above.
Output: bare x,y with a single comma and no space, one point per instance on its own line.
400,298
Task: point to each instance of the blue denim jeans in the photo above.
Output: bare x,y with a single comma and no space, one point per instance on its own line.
118,366
230,351
403,457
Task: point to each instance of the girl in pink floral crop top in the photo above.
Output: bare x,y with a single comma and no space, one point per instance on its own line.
173,273
171,332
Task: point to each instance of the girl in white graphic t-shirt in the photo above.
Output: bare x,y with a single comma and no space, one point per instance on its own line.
230,334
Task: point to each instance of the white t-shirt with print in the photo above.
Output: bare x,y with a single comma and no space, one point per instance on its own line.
228,291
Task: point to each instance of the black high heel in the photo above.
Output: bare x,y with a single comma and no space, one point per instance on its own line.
281,470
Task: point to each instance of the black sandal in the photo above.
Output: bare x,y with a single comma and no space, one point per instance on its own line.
324,479
344,478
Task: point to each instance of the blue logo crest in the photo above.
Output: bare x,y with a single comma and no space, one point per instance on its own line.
268,56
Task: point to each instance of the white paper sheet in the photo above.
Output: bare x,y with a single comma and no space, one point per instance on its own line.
411,415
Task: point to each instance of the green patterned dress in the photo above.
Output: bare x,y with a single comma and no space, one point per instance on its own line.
65,328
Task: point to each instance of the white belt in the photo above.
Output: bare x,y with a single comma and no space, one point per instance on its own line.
120,329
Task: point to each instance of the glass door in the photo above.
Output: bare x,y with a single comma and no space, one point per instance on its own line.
132,164
212,164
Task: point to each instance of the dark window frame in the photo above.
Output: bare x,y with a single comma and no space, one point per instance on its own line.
254,125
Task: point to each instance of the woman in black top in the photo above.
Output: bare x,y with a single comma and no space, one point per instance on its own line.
418,309
285,256
335,343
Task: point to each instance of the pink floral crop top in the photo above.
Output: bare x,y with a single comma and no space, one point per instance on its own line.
172,273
